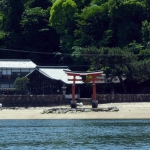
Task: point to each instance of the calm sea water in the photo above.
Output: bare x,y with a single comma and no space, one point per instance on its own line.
74,134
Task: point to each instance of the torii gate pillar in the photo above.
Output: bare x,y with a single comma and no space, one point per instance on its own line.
93,78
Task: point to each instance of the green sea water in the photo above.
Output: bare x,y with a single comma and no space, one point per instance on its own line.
74,134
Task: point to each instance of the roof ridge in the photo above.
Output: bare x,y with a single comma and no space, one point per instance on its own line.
15,60
54,67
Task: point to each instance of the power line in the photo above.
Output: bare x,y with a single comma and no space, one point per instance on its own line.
118,64
23,51
59,53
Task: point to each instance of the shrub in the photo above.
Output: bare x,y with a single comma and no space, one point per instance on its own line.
21,85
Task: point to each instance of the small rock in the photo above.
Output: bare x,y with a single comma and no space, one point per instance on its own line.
44,111
50,111
105,109
87,110
110,108
60,111
74,111
79,104
65,111
80,109
53,112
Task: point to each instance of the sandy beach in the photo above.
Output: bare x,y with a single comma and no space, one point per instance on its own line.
126,111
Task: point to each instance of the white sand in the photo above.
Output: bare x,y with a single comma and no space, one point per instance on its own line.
126,111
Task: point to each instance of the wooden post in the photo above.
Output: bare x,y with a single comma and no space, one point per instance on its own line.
73,87
94,87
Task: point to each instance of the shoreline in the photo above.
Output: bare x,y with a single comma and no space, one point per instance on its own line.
137,110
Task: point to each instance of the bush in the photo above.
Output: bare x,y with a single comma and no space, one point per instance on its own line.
21,85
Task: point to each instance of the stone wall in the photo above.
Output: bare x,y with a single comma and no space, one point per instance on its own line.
32,100
107,98
117,98
54,100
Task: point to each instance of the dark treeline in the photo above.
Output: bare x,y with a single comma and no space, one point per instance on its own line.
25,27
111,35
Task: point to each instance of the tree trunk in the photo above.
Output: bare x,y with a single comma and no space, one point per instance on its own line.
122,84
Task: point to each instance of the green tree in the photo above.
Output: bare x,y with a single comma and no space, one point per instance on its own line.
21,85
147,2
38,36
98,2
12,11
25,26
44,4
62,18
82,4
10,26
93,27
145,33
113,61
126,21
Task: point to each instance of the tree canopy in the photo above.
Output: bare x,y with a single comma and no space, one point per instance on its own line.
60,32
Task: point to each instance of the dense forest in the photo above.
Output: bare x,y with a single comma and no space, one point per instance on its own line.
108,35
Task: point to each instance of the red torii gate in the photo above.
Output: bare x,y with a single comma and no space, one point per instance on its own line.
93,79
